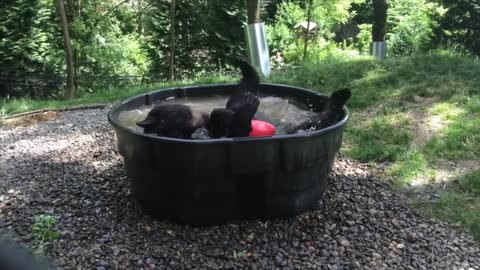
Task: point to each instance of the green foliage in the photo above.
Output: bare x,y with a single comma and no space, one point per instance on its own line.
29,39
106,45
290,13
364,38
331,13
460,25
43,231
328,15
30,42
280,35
134,37
410,26
208,34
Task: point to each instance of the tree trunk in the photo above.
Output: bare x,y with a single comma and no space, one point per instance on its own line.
172,40
253,11
379,28
309,17
140,17
68,51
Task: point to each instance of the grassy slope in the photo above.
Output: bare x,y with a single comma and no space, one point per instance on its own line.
384,110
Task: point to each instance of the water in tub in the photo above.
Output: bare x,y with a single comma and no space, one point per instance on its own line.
278,111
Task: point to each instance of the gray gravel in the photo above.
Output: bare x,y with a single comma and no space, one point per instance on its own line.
68,167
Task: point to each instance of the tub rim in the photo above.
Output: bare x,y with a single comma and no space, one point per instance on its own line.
113,121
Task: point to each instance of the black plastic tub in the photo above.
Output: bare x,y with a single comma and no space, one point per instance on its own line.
206,182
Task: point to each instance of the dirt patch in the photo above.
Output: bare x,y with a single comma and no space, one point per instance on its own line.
30,119
34,117
424,125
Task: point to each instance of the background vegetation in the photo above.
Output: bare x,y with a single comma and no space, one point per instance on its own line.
127,42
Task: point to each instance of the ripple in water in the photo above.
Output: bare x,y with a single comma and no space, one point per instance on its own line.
278,111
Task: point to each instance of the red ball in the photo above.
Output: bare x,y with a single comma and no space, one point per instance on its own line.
261,129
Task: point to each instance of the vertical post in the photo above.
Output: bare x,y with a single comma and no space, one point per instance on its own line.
172,40
379,29
257,47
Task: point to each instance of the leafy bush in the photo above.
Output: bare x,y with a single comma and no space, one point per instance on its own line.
280,35
327,14
208,34
43,231
30,45
410,26
364,38
105,45
460,24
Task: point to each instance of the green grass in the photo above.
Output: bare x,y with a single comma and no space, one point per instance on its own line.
389,99
460,204
471,184
408,165
14,106
455,207
461,140
381,138
382,116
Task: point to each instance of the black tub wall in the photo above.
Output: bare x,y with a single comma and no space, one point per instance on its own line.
214,181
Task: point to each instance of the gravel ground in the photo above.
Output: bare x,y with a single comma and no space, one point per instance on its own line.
68,167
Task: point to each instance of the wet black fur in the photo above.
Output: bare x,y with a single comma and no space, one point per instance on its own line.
170,120
329,115
227,123
175,120
249,84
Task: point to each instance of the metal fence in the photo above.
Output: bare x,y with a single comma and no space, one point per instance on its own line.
44,86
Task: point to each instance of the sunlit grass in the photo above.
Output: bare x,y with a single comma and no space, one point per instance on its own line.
448,111
380,138
460,140
408,165
460,204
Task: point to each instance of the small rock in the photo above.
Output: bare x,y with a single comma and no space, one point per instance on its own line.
376,255
278,260
396,222
412,237
344,242
250,237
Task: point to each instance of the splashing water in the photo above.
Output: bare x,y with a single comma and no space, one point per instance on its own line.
280,112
